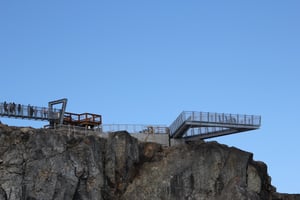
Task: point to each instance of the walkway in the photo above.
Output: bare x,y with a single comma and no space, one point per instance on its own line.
27,112
203,125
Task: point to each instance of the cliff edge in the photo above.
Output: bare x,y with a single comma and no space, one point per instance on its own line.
47,164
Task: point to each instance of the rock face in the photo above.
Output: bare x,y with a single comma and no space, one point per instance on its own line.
47,164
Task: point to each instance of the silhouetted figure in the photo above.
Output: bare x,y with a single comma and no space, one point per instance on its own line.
19,109
5,107
10,108
45,112
28,110
13,108
31,111
35,110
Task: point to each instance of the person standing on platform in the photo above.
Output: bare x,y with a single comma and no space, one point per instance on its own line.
5,107
19,109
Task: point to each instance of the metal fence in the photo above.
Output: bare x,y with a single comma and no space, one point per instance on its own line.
135,128
108,128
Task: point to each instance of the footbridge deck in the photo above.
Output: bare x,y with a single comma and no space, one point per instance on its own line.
192,125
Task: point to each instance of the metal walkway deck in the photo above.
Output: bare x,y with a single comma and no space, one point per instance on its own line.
203,125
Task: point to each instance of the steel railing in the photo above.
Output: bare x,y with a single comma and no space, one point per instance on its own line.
108,128
135,128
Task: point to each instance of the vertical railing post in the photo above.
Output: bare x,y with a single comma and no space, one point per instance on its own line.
259,120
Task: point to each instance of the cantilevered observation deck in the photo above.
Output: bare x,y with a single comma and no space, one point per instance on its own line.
203,125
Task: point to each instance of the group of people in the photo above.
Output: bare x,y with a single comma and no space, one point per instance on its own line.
12,108
17,109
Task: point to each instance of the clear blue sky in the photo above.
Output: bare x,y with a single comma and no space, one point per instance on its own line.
143,62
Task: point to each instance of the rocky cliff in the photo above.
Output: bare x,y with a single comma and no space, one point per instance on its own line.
40,164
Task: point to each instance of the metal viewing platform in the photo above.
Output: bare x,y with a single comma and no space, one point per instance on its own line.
203,125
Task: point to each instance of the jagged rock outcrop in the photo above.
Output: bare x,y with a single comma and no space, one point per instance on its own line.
49,164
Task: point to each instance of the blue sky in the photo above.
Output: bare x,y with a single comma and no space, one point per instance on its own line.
143,62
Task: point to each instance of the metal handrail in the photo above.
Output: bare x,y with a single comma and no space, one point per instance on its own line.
130,128
135,128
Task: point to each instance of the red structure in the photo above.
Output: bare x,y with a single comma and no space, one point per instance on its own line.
88,120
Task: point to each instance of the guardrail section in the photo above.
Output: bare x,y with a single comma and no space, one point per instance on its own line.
135,128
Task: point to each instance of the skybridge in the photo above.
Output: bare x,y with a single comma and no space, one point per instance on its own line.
191,125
